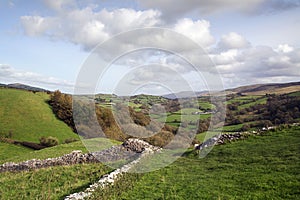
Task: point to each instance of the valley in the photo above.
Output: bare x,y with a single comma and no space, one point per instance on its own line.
261,166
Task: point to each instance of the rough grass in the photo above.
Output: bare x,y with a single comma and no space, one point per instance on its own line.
28,117
8,151
54,182
49,183
261,167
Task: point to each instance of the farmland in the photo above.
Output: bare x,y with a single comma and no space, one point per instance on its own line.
260,167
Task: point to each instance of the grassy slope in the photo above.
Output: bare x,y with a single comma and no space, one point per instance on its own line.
17,153
49,183
29,117
259,101
261,167
55,182
7,151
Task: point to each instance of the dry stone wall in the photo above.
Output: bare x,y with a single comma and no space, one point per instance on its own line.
129,150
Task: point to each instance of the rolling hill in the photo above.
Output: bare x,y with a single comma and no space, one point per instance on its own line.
262,89
27,116
256,89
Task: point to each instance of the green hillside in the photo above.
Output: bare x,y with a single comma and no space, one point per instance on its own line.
260,167
27,116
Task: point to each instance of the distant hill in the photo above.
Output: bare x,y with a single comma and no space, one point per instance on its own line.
23,87
261,89
257,89
185,94
28,116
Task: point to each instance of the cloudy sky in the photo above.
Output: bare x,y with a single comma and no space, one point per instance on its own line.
46,43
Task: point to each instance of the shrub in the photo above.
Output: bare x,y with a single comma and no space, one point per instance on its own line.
70,140
49,141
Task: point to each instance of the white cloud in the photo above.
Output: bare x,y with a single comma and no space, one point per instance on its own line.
37,25
285,48
236,59
9,74
87,27
225,58
258,65
199,31
233,41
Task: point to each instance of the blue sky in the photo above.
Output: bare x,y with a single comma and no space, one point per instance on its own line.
45,43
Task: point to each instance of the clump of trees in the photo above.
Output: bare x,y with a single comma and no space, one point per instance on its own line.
119,125
62,107
279,109
282,109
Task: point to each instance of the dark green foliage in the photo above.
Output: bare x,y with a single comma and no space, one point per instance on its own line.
32,145
70,140
62,107
49,141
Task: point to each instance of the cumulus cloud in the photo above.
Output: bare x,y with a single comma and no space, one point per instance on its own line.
37,25
199,31
87,27
233,41
9,74
233,55
258,64
284,48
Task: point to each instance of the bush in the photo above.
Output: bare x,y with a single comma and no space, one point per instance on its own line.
70,140
49,141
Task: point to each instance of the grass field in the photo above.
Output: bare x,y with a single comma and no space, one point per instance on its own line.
205,105
258,101
28,117
187,114
49,183
13,153
260,167
8,151
232,128
295,94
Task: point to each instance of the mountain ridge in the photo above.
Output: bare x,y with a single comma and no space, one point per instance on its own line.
254,89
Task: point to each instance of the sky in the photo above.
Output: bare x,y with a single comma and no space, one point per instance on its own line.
48,44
